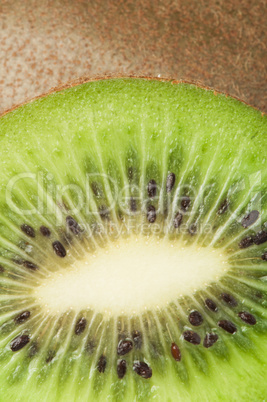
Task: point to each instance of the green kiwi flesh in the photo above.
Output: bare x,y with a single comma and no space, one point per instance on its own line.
133,245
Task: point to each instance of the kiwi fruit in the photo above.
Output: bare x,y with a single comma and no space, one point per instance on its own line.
133,245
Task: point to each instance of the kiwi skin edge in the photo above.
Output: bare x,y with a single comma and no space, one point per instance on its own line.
193,341
85,79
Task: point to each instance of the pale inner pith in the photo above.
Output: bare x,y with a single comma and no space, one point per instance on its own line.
130,276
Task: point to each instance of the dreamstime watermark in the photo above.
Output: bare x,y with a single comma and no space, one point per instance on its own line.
40,193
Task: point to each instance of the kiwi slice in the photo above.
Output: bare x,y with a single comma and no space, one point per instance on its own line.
133,245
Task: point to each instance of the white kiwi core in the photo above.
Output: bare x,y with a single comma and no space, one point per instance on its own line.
130,276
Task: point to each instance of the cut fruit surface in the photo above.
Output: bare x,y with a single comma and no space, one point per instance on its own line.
133,236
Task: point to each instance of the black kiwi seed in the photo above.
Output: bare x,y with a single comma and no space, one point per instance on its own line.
120,215
142,369
264,256
18,261
30,265
175,351
131,172
45,231
80,326
22,317
28,230
246,242
195,318
211,305
152,188
223,208
192,337
151,214
121,368
247,317
101,365
133,206
260,238
19,342
97,190
229,299
210,339
73,225
33,349
177,220
103,212
59,249
50,356
228,326
124,347
249,219
90,346
137,338
192,229
170,182
185,203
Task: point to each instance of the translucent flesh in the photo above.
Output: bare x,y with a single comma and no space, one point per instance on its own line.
95,147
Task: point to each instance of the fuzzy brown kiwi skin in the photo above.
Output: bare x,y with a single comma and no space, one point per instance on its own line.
86,79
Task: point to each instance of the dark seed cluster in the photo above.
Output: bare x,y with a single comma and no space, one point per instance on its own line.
195,318
258,239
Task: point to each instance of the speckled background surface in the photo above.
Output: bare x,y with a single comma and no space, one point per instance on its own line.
218,43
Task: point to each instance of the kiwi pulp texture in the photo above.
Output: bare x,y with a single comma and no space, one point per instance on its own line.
133,245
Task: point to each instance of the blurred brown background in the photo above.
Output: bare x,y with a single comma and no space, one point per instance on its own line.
218,43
